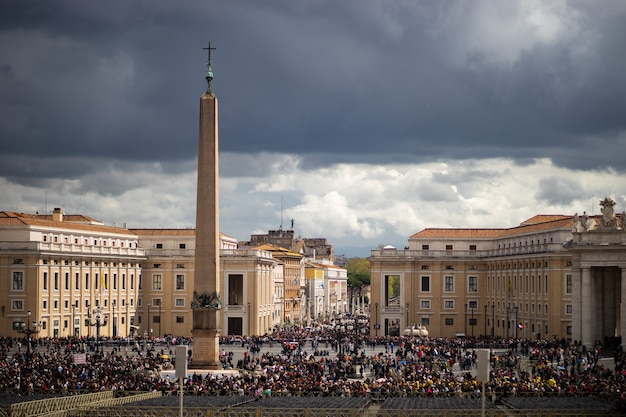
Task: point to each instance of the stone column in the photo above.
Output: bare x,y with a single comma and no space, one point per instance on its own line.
586,308
622,318
576,305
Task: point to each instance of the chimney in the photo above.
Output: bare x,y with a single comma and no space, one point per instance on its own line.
57,214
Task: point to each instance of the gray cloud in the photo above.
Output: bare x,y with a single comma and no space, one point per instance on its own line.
96,97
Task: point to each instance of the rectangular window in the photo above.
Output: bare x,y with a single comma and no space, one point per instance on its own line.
448,282
449,322
115,281
44,304
448,304
17,305
179,302
425,247
425,321
66,281
425,304
45,281
132,281
56,304
77,281
66,304
56,281
180,319
472,284
235,289
425,284
123,281
473,305
449,247
157,283
18,281
159,246
180,282
182,246
568,284
472,247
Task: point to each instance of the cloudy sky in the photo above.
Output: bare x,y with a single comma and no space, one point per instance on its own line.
365,121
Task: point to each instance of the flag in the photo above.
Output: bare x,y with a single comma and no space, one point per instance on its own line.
520,326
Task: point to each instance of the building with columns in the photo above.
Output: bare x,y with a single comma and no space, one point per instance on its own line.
548,277
66,276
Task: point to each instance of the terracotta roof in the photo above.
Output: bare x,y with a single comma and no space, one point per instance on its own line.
458,233
542,218
13,218
533,225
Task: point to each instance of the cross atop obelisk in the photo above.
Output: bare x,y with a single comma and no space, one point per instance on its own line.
209,71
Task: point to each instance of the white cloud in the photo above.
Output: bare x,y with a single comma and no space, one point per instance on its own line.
350,204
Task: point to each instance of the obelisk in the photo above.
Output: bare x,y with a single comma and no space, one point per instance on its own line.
206,325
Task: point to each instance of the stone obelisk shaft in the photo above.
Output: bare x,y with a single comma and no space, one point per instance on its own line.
207,322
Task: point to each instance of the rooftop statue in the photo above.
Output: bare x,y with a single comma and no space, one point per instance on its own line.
608,221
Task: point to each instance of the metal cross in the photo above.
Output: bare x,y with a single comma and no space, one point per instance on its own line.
209,49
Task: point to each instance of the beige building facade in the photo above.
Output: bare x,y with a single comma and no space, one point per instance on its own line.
553,276
74,275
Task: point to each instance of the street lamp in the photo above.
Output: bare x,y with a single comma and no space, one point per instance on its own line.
73,325
407,314
25,328
98,322
160,318
465,333
376,325
493,319
114,321
485,321
149,328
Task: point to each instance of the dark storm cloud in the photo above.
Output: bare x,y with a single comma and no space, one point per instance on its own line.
332,81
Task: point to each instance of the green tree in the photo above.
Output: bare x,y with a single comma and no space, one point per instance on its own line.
358,277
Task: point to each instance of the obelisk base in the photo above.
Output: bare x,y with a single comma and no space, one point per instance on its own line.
206,342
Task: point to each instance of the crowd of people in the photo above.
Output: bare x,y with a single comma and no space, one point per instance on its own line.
383,366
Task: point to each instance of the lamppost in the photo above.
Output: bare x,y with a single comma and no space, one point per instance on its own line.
376,318
485,321
149,328
25,328
73,325
88,321
113,320
407,314
160,305
493,319
515,311
249,318
465,333
98,322
472,322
